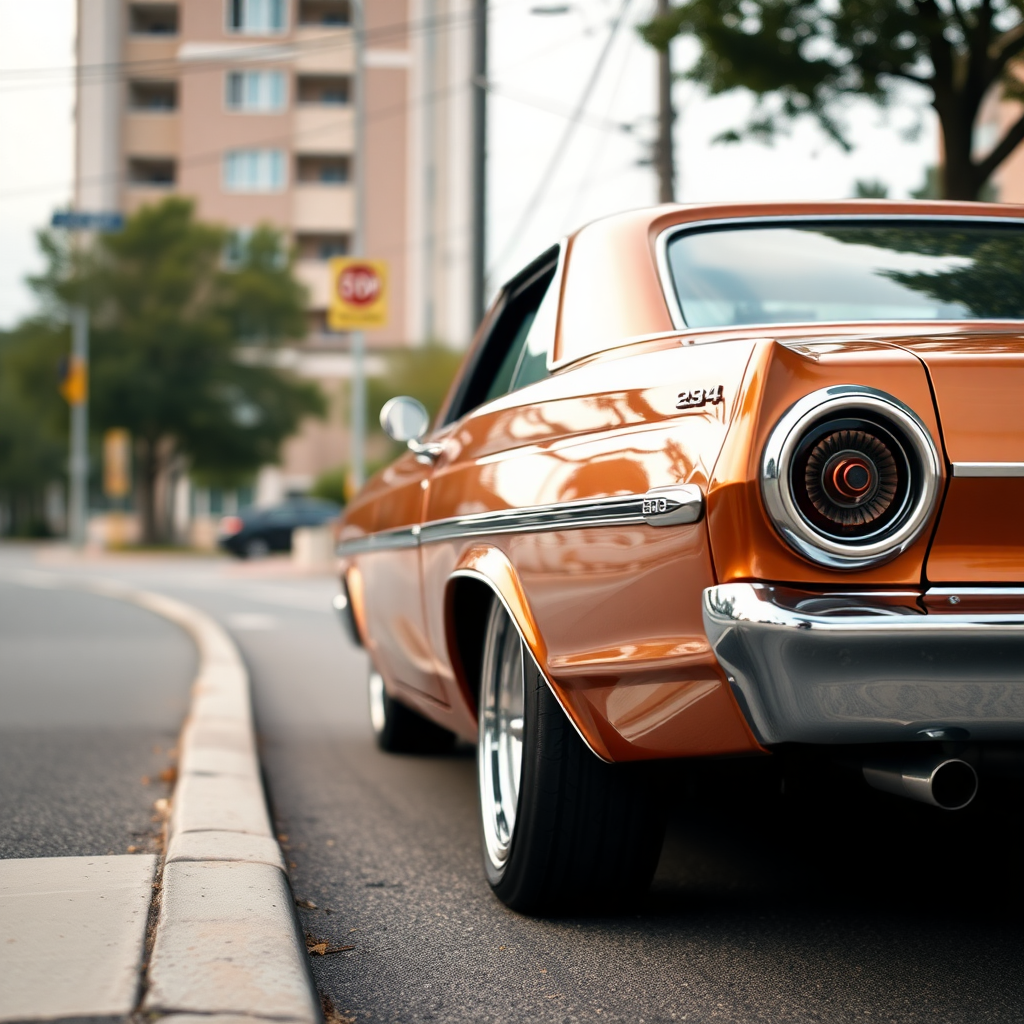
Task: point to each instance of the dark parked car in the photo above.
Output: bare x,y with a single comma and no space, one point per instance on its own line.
255,532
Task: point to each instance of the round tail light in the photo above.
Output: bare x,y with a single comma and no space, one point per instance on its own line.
849,476
230,525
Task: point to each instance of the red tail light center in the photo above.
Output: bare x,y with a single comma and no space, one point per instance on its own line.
851,477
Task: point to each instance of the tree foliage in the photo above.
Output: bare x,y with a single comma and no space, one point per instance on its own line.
182,344
33,422
805,58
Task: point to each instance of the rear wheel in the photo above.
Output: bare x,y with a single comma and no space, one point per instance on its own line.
561,829
257,547
397,728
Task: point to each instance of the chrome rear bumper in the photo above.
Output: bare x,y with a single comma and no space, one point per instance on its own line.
851,668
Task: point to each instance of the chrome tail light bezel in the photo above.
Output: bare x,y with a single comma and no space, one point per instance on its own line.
887,413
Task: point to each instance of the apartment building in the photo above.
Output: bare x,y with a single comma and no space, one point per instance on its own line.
247,106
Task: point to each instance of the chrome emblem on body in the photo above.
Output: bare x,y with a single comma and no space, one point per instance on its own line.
697,398
674,505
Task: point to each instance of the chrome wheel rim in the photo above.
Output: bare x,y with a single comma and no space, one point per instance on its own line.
378,714
500,749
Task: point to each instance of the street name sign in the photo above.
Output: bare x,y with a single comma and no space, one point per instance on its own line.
78,220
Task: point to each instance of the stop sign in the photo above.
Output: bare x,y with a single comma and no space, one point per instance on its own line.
359,285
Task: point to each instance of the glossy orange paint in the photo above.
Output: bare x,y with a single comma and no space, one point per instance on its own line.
613,614
979,387
595,594
745,545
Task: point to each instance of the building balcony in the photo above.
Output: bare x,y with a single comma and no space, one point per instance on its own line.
157,53
315,275
151,134
323,208
325,50
324,128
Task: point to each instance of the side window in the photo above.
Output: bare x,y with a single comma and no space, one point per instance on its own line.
532,365
514,353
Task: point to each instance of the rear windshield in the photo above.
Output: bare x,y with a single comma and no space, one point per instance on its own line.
868,270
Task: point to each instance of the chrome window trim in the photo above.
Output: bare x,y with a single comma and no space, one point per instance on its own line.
782,509
480,577
555,288
672,300
988,469
675,505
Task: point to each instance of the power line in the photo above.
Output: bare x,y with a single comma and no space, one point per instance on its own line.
212,156
563,144
590,171
269,51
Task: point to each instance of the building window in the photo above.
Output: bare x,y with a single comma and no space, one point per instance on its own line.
153,19
257,17
256,91
321,246
153,97
154,172
324,90
326,170
254,170
237,247
324,12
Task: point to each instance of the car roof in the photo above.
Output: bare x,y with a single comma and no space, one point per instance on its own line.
612,288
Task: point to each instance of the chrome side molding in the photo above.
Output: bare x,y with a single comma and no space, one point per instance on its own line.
674,505
988,469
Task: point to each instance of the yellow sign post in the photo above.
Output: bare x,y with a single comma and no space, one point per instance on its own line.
117,463
359,294
117,482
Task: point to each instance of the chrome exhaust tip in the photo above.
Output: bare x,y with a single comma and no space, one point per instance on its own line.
945,782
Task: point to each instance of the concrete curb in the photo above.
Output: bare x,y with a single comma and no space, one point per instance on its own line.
227,942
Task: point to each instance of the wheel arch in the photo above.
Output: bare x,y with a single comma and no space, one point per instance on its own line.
487,572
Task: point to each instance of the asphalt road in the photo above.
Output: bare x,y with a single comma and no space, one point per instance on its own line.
828,905
92,696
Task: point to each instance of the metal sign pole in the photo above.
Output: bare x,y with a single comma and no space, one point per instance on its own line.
78,462
357,469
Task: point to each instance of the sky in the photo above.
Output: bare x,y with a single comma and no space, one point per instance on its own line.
539,65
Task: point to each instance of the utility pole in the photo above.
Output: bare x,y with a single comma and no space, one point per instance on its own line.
430,170
479,211
357,469
663,158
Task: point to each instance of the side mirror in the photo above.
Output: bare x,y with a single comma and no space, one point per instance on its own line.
404,419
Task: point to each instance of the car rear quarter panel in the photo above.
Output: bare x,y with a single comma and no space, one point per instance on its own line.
744,544
617,608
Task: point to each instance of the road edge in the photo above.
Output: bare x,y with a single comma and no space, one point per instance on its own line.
227,939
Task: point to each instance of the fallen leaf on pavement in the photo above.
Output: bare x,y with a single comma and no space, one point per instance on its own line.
319,947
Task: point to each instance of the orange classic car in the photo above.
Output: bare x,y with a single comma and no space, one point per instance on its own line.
713,482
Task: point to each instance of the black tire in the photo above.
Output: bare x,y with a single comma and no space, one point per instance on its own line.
400,730
256,548
587,835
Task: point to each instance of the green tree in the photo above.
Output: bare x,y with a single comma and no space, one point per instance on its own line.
182,345
33,433
425,373
805,58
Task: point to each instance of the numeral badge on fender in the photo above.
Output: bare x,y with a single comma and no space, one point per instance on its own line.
695,398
